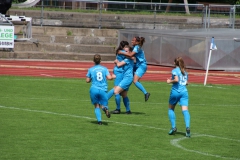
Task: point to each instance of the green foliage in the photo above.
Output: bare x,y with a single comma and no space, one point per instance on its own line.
53,118
69,33
237,2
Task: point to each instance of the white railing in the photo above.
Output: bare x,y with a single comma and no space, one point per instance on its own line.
208,16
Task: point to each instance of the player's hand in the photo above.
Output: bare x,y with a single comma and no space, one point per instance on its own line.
168,80
113,76
119,52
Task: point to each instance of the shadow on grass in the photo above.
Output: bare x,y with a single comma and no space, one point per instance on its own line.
124,113
103,123
180,133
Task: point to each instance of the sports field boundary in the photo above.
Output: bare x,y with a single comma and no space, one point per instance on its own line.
78,69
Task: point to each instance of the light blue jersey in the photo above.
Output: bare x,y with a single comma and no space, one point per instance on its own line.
127,74
128,68
116,69
98,76
179,91
140,56
182,80
179,95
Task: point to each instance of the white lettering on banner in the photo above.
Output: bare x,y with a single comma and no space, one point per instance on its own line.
6,36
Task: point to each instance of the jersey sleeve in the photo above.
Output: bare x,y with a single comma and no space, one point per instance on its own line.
135,49
127,60
174,73
88,74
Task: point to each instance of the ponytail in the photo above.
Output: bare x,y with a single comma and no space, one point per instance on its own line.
180,63
140,41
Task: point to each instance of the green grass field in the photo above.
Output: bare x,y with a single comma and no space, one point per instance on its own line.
52,118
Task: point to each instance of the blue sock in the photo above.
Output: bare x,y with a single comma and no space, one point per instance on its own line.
140,87
126,103
98,114
110,93
172,117
118,101
186,116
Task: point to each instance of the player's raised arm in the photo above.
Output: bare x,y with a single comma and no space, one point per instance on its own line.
119,64
128,54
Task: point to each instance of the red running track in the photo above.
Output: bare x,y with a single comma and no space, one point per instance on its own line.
79,70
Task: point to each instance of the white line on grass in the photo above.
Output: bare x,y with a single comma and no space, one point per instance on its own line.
156,103
76,116
67,79
196,85
56,99
174,142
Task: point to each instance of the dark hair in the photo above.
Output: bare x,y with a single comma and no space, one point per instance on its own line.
180,63
129,47
121,46
140,40
97,58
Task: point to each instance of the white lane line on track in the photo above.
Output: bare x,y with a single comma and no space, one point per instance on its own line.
47,75
85,69
173,142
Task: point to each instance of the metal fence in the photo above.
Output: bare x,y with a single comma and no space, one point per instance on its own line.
200,15
162,46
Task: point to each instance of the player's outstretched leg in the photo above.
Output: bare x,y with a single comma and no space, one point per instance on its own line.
141,88
106,111
147,95
110,93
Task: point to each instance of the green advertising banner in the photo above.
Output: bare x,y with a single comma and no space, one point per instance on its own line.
6,36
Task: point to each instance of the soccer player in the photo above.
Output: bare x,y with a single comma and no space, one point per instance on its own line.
179,94
127,65
99,75
118,72
140,67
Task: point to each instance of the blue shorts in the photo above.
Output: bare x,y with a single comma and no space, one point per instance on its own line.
181,97
118,79
126,83
140,70
98,96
